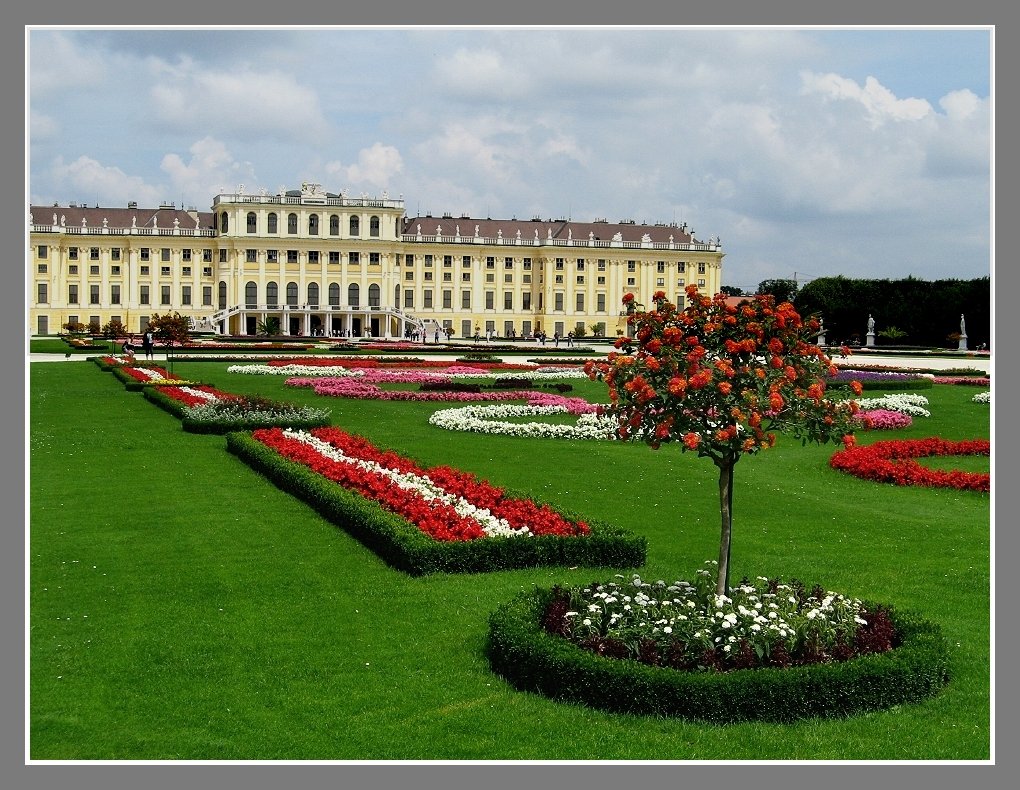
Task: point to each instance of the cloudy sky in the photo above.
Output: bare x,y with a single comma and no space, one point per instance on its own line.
809,152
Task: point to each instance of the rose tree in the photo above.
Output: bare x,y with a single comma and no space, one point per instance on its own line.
721,379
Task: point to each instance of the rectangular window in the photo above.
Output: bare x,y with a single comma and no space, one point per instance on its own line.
526,278
508,278
292,256
164,254
408,260
408,299
72,319
630,281
490,263
42,252
114,270
701,283
600,303
427,299
373,258
660,266
72,294
680,282
527,264
447,277
41,269
490,300
580,279
186,255
508,300
72,268
334,257
313,256
223,256
272,256
559,279
602,264
465,277
447,300
186,271
525,301
580,264
559,264
164,271
251,256
447,261
558,304
93,253
114,294
72,253
42,294
660,282
93,294
164,294
465,300
207,271
465,328
408,275
143,294
465,262
207,256
115,254
428,261
93,270
600,280
489,277
701,268
354,257
631,266
508,263
185,294
579,307
428,276
206,296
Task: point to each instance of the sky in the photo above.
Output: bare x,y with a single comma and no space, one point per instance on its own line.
809,152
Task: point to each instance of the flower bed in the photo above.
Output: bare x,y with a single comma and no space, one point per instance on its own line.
591,423
892,462
427,520
904,403
882,420
980,381
529,657
880,380
982,397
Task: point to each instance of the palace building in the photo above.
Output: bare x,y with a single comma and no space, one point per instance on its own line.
329,264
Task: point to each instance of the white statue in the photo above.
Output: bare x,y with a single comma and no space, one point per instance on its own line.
871,325
476,231
963,326
618,236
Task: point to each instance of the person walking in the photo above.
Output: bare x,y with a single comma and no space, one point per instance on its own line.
147,342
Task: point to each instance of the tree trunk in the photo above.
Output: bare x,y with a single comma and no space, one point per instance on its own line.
725,465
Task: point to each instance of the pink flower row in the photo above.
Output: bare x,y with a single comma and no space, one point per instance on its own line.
883,419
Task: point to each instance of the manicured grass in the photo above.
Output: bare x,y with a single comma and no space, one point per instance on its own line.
183,608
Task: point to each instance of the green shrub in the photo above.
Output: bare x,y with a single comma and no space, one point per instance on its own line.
530,659
405,547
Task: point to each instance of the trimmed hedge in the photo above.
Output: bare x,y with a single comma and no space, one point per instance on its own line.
531,659
179,410
405,547
899,385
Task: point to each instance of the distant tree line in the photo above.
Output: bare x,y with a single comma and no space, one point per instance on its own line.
910,312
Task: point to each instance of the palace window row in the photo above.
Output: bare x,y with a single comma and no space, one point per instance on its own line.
313,224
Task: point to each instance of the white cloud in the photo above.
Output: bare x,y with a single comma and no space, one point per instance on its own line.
210,169
376,166
246,103
42,126
481,73
57,64
89,180
879,102
960,104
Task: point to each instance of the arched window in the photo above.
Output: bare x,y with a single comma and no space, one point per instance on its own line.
223,222
272,294
334,224
373,226
355,226
292,223
252,222
292,294
313,294
251,294
223,295
313,224
273,227
353,295
373,296
334,294
396,296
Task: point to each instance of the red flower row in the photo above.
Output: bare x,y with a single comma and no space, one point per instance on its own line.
188,399
439,521
892,462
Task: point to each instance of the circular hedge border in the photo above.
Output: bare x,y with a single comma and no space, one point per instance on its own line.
531,659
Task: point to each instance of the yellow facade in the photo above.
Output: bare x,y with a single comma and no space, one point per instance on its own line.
335,265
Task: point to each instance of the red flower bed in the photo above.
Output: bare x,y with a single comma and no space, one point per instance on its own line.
182,395
892,462
438,520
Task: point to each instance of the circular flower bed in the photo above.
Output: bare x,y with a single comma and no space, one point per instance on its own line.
892,462
591,424
532,657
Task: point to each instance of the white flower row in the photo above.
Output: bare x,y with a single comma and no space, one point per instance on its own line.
983,397
421,485
904,403
493,419
294,370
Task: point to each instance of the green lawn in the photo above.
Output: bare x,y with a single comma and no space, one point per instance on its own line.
182,608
